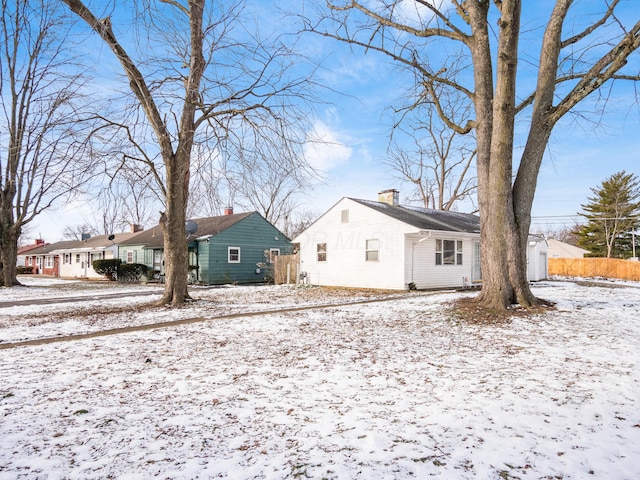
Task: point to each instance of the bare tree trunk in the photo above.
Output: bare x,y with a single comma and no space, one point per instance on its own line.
9,234
496,290
504,272
172,222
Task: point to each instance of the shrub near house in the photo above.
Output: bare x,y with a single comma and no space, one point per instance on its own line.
107,267
114,269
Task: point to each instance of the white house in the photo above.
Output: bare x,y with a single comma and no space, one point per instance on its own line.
76,258
558,249
368,244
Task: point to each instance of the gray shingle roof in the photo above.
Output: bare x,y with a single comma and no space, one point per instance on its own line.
426,218
206,227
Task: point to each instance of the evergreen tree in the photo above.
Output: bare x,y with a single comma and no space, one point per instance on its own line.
612,214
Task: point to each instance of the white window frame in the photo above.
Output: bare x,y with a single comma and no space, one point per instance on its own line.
372,250
321,252
231,257
449,252
273,252
129,256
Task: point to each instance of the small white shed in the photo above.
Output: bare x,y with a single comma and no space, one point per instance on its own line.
537,256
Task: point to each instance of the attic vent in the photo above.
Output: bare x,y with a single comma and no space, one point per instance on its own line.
344,216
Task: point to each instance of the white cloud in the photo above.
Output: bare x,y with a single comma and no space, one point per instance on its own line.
324,150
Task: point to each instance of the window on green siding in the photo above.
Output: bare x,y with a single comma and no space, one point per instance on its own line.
273,252
130,256
448,252
321,249
373,247
234,255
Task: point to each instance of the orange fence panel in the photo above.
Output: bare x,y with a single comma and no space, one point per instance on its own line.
595,267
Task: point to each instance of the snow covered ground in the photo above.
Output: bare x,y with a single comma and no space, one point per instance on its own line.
386,390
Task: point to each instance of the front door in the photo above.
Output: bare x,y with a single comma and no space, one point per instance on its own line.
157,260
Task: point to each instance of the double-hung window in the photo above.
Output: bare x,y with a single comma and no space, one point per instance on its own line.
372,250
233,254
321,249
448,252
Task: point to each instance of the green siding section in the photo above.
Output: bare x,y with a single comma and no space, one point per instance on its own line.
139,253
253,235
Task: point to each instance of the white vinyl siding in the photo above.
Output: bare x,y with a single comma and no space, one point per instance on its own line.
345,248
421,261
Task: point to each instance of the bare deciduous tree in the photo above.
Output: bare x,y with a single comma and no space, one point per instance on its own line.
579,52
198,77
129,198
264,175
44,152
440,166
78,232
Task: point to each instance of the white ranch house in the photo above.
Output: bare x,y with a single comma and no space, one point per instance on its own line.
384,245
76,259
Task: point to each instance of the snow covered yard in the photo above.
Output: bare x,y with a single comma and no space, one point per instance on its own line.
388,390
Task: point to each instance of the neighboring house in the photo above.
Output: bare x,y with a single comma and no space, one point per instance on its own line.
367,244
43,259
558,249
76,257
25,249
230,248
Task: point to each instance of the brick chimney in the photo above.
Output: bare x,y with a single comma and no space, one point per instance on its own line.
392,197
39,241
228,211
135,227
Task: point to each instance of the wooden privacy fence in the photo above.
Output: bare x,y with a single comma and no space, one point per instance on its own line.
285,269
595,267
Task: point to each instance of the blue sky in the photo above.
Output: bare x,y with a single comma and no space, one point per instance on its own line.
356,121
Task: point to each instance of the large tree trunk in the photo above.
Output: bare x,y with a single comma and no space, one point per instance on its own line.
496,290
504,275
9,233
173,222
